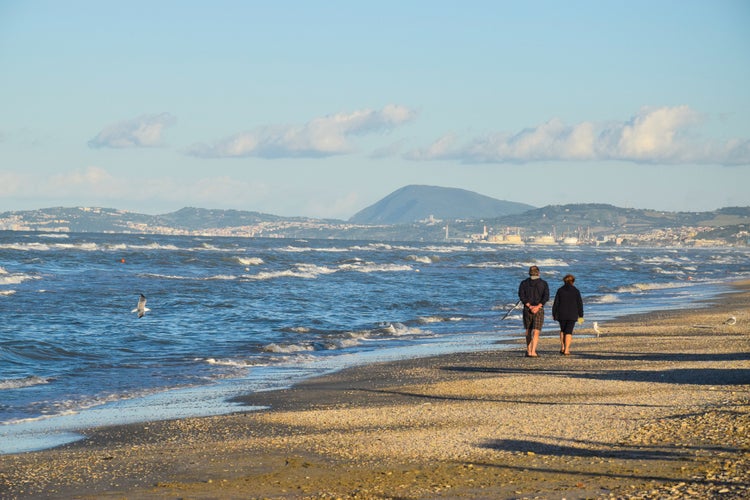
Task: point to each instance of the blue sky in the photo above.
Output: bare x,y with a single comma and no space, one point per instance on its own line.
321,108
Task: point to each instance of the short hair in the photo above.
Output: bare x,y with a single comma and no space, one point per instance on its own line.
569,279
533,271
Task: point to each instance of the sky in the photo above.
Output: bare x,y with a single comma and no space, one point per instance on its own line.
322,108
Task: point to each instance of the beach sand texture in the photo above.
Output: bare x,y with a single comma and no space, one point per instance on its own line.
657,407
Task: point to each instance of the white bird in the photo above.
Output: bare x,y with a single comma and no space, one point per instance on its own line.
731,321
596,328
141,309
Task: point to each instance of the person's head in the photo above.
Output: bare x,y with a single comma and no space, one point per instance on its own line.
569,279
534,272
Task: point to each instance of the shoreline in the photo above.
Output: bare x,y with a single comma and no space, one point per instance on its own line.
657,403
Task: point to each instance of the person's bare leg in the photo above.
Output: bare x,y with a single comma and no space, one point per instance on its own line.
528,342
534,341
568,340
562,341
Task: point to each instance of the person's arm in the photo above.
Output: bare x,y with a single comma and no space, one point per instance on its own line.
523,295
555,306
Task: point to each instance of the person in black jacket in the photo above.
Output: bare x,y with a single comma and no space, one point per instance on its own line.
566,310
533,292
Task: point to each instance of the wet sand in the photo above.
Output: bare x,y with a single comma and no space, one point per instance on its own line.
658,406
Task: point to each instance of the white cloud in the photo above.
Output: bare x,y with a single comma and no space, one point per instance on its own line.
143,132
320,137
654,135
439,150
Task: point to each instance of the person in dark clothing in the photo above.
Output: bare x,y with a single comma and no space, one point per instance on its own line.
566,310
533,292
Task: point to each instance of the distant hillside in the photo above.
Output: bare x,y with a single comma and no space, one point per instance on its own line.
413,203
203,218
602,218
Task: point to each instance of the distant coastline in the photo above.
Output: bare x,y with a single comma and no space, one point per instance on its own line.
579,224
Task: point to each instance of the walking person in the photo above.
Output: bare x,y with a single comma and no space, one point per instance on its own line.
567,308
533,292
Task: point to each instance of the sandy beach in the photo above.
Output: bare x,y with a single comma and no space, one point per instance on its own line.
658,406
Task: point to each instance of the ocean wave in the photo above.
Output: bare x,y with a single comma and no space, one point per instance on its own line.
287,348
371,267
217,277
250,261
7,278
437,319
19,383
296,329
293,249
398,329
659,260
232,363
60,236
423,259
25,247
605,299
39,418
520,265
546,263
644,287
305,271
492,265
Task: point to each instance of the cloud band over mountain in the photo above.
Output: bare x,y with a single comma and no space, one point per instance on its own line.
321,137
143,132
660,135
654,135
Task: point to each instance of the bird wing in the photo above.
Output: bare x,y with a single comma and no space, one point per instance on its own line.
141,308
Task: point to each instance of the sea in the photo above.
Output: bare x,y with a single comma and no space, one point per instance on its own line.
232,316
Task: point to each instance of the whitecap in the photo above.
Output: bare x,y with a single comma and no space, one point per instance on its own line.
18,383
61,236
14,279
250,261
371,267
547,263
287,348
605,299
308,271
423,259
436,319
229,362
643,287
296,329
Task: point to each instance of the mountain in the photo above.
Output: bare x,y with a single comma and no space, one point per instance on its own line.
414,203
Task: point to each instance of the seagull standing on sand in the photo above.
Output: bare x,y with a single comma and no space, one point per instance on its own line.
141,309
731,321
596,328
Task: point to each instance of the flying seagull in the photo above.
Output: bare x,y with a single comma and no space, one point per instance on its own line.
141,309
731,321
596,328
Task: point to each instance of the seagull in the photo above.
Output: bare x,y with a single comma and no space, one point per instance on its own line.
596,328
731,321
141,309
